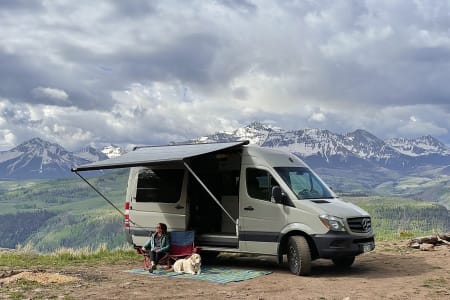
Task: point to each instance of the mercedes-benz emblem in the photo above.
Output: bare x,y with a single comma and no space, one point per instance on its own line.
365,223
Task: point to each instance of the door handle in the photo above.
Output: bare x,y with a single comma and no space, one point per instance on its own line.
179,207
248,208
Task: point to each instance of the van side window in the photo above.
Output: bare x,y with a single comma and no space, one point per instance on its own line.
162,186
259,184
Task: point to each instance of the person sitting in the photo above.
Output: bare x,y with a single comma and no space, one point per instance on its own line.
158,245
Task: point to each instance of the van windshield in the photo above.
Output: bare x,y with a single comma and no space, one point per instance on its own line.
304,183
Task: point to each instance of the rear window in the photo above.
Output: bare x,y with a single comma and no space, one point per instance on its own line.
163,186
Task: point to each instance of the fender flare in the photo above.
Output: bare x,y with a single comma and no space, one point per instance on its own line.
293,229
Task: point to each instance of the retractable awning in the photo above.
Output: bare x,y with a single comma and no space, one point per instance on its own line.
151,155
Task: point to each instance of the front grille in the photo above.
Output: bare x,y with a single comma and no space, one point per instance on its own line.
361,225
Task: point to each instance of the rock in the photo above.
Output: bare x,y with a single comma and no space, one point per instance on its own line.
415,245
426,247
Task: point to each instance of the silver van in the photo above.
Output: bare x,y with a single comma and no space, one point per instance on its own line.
240,198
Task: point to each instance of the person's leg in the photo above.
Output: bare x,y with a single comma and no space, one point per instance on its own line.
158,256
153,259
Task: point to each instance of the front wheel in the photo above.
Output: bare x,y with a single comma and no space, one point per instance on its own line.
343,262
299,255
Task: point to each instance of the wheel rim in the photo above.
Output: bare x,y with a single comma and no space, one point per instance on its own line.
293,259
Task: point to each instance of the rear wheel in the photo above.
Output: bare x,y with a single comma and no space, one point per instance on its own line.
299,256
343,262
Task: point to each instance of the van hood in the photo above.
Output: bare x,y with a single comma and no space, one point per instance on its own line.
338,208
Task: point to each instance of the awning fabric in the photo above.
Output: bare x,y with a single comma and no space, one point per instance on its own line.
146,156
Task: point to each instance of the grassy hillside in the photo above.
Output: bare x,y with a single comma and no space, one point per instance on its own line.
431,184
62,213
395,217
429,188
354,181
62,194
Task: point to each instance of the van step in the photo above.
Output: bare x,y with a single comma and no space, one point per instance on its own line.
217,239
219,249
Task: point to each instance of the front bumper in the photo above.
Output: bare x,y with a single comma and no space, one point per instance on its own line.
336,244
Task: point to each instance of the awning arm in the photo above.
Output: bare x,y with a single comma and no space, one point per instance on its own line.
209,192
107,200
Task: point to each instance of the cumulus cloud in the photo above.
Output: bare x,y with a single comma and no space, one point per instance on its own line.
317,117
51,94
150,72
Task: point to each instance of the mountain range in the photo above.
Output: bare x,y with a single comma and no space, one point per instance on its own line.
323,148
359,149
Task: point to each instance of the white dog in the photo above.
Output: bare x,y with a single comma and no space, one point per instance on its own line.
190,265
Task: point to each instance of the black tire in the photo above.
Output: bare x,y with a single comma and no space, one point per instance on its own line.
343,262
299,256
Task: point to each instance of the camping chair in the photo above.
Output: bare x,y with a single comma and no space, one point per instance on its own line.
146,256
181,245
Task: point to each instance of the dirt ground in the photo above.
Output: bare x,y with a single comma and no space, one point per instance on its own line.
392,271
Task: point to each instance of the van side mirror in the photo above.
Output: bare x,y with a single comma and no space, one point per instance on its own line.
278,195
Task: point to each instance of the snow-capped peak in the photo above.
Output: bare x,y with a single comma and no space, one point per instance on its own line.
424,145
112,151
90,153
38,158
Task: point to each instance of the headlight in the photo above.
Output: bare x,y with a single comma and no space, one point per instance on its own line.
332,222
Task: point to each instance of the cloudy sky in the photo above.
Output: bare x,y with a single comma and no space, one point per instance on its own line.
151,72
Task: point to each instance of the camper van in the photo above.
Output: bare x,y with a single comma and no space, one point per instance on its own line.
240,198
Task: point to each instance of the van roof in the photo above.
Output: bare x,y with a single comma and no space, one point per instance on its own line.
152,155
272,157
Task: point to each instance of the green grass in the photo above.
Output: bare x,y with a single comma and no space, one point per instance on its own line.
67,256
27,258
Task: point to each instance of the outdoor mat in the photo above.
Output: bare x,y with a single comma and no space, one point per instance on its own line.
213,274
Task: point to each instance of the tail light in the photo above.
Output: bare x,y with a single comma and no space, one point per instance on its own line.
127,214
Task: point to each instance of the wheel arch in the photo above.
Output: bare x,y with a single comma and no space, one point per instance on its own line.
282,244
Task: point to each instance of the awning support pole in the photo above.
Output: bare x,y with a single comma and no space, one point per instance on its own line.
107,200
209,192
